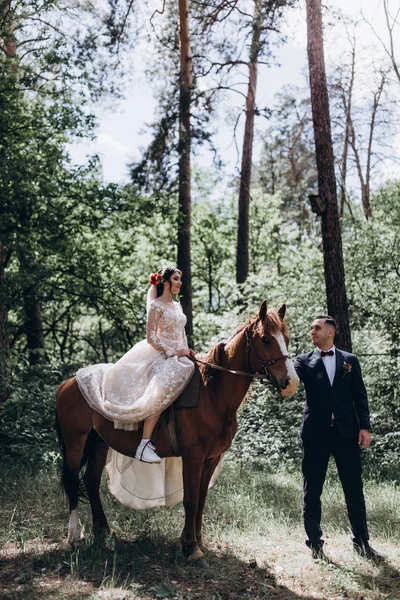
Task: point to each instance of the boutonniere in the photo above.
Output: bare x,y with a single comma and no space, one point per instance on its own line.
347,367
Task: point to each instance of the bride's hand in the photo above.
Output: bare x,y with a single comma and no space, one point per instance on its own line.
185,352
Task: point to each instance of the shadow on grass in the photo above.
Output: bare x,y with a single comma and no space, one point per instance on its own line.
150,566
387,580
141,568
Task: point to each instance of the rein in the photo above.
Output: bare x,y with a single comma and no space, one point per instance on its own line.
256,375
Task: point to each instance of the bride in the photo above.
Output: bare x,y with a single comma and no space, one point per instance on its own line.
150,376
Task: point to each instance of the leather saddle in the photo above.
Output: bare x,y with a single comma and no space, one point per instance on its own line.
189,398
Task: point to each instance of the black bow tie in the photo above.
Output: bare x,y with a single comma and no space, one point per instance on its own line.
329,353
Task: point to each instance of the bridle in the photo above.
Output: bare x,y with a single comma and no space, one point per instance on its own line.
265,377
264,363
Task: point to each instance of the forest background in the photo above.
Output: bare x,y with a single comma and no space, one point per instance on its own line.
76,249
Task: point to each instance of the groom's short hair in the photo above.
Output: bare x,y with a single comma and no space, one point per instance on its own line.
328,320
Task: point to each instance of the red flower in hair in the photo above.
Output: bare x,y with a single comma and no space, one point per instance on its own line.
155,279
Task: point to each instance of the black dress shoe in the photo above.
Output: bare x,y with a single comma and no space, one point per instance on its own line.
318,553
316,549
363,548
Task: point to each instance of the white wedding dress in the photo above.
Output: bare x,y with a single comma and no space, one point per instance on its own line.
148,378
144,382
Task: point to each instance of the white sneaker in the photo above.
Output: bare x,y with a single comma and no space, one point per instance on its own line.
146,452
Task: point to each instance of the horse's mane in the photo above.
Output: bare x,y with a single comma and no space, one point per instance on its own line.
214,356
272,324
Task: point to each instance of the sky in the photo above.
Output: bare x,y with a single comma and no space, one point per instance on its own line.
121,131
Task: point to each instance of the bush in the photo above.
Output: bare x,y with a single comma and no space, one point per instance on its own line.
27,417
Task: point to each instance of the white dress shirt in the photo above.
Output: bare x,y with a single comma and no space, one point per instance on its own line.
330,364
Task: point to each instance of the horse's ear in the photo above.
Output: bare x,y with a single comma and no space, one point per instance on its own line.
263,310
282,312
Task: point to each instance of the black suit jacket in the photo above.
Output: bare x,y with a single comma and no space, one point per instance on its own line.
346,399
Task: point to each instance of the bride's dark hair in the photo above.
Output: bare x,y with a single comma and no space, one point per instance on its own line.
166,273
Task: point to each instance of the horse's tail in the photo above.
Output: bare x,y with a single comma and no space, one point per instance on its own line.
71,482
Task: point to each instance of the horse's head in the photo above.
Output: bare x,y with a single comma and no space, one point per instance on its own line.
268,348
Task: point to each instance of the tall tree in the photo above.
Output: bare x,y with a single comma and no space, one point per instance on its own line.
6,82
331,237
365,178
242,251
4,337
184,149
346,98
265,19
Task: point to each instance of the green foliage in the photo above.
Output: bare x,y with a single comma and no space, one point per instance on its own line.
27,417
372,265
268,435
100,275
77,252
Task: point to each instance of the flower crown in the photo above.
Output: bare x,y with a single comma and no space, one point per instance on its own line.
160,276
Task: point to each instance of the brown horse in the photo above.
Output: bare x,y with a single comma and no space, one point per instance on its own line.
204,433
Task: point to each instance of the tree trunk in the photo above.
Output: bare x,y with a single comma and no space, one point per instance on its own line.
185,83
4,339
366,198
347,104
28,267
210,281
103,343
9,45
33,327
10,50
242,248
331,237
365,181
343,174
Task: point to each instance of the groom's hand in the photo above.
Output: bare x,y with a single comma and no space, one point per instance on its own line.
364,439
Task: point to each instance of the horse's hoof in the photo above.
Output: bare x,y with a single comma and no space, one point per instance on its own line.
199,563
78,543
196,555
101,532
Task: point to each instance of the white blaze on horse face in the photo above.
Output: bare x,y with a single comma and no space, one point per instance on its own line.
294,380
75,530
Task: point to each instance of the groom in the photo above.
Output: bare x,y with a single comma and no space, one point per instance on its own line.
335,421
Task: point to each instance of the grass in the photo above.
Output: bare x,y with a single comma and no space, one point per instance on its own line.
255,539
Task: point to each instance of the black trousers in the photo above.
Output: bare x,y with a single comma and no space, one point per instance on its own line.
347,455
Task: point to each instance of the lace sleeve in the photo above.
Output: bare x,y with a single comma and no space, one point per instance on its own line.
151,330
183,343
184,339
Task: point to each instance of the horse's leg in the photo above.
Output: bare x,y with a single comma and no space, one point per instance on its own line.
73,424
96,452
208,469
72,485
192,471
